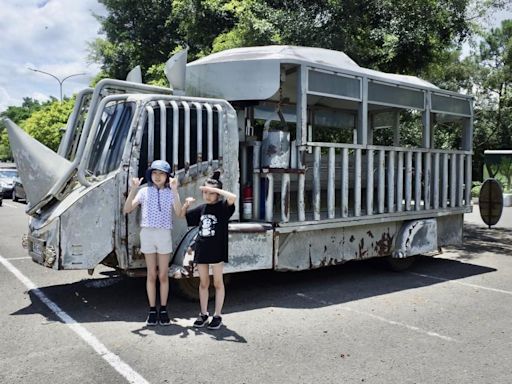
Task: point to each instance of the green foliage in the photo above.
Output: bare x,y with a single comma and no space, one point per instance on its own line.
475,190
137,33
401,36
45,124
501,170
17,115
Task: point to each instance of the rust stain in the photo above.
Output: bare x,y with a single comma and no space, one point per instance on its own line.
362,251
384,246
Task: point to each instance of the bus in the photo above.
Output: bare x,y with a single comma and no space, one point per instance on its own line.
332,162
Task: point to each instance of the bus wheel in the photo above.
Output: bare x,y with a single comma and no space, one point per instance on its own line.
399,264
188,288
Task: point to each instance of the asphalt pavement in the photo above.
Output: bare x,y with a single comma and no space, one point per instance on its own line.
446,320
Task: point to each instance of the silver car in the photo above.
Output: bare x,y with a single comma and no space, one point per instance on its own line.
7,178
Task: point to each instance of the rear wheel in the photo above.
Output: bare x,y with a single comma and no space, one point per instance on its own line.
400,264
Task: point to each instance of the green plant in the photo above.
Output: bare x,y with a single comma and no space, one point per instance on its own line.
475,190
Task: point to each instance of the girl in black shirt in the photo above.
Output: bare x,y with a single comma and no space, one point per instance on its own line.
211,245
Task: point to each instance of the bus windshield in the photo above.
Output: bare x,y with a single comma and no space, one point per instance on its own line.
110,138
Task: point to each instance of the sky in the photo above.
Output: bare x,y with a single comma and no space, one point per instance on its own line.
52,36
48,35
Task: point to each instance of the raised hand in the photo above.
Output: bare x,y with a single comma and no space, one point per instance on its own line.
189,201
136,182
173,183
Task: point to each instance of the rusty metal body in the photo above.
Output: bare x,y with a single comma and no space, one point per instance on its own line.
318,202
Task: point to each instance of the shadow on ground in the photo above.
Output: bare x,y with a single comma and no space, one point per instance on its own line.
116,298
480,239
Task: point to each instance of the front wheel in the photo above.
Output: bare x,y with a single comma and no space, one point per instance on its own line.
188,288
14,198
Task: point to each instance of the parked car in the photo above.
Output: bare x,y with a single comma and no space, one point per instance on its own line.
18,192
7,177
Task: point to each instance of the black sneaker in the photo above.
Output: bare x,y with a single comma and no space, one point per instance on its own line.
164,317
201,321
152,317
215,323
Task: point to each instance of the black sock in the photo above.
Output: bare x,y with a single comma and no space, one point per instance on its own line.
163,308
152,309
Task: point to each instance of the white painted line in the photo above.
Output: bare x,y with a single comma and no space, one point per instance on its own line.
380,318
10,205
111,358
462,283
19,258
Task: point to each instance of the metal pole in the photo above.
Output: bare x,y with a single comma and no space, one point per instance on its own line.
61,81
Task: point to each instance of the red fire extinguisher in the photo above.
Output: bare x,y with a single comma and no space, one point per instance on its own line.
247,202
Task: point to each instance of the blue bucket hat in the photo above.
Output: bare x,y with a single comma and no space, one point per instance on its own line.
160,165
157,165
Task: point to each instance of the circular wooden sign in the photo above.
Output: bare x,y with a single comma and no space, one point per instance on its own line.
490,201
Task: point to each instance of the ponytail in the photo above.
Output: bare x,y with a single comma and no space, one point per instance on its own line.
214,180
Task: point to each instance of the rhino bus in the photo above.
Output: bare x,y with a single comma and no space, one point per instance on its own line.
333,162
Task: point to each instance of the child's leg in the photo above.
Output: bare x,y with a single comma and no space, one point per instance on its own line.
204,284
218,282
151,278
163,277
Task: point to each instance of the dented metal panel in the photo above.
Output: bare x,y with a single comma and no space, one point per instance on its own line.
319,248
449,229
416,237
249,251
87,227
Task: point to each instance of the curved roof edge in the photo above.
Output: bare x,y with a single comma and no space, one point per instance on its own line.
335,60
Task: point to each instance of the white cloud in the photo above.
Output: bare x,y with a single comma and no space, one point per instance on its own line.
49,35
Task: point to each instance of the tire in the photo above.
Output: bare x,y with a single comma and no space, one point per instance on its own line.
399,264
14,198
188,288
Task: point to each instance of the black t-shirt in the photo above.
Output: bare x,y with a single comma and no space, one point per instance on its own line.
212,241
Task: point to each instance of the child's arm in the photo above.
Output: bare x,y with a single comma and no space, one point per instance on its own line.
179,209
129,204
230,197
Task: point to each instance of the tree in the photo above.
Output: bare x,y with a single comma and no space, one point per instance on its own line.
17,115
45,125
495,55
401,36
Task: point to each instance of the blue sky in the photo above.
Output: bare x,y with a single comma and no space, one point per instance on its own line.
52,36
49,35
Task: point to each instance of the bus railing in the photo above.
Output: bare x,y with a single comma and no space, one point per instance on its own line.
338,181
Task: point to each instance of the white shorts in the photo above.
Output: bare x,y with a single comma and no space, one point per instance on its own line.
155,240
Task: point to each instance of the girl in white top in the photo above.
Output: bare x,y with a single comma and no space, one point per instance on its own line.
157,201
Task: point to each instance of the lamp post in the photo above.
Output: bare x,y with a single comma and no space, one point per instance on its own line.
56,78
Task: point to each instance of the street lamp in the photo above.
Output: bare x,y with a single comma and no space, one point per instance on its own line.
56,78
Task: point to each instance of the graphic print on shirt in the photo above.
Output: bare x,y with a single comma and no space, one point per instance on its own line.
207,227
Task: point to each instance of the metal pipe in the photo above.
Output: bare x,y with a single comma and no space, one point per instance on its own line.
175,135
369,182
316,183
163,130
330,184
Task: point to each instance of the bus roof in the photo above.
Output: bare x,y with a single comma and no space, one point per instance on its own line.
253,73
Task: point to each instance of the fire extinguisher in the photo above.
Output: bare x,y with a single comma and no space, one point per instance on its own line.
247,202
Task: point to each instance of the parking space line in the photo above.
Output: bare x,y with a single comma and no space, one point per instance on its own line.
10,205
18,258
383,319
462,283
111,358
